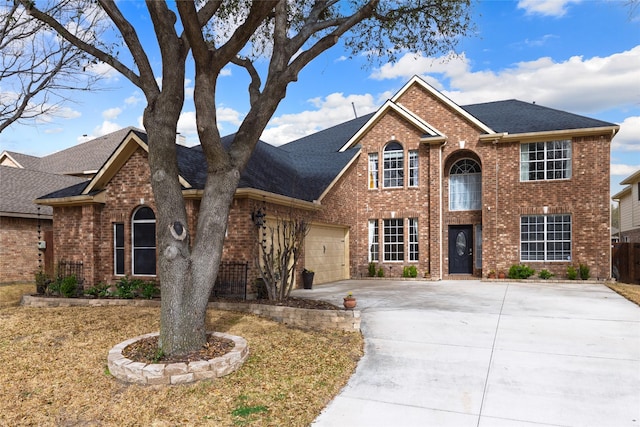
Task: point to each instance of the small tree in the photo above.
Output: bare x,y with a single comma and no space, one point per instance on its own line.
278,252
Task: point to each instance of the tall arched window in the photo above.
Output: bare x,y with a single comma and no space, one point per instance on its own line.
393,165
143,232
465,186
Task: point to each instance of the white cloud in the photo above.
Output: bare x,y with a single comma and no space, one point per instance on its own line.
105,70
133,100
187,123
104,128
229,115
329,111
111,113
623,170
225,72
581,85
628,138
555,8
53,131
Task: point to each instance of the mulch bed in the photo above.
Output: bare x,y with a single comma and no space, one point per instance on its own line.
146,350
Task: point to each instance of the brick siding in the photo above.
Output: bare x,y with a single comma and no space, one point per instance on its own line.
19,252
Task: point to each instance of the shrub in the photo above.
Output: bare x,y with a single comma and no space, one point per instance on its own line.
405,271
584,271
69,286
520,271
545,274
42,281
413,271
372,269
572,274
381,272
126,288
149,290
99,290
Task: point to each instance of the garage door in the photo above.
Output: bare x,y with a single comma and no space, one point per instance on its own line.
327,253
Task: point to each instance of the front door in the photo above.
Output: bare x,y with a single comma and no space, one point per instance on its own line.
460,249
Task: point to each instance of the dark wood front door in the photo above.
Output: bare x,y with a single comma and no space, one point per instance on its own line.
460,249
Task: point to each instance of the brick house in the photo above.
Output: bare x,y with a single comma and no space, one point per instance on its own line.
629,209
453,190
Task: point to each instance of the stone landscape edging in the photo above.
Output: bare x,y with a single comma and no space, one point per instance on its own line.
141,373
303,318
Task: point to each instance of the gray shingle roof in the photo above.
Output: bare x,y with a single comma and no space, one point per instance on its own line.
20,187
515,116
304,168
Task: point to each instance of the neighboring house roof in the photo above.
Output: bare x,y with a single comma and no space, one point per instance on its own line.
628,181
85,158
19,160
20,187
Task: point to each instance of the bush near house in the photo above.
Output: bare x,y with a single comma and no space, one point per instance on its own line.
520,271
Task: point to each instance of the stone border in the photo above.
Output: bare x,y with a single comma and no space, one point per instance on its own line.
319,320
176,373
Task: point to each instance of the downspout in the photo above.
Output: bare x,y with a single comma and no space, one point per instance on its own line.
441,173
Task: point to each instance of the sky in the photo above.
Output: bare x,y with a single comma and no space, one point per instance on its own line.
573,55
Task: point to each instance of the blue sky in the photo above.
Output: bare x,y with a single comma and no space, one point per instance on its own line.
573,55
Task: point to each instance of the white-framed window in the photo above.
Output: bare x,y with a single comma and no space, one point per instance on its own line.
373,170
414,254
393,248
143,238
541,161
465,186
545,238
413,168
393,165
118,249
374,245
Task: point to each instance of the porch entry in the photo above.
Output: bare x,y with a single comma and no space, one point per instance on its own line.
461,249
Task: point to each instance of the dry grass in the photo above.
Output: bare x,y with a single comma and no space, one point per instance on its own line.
54,371
630,292
10,294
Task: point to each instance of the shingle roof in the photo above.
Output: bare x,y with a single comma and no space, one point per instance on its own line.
515,116
25,160
304,168
20,187
88,156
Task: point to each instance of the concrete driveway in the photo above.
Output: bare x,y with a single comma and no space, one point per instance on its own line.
471,353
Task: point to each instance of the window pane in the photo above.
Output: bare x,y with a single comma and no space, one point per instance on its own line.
545,160
413,239
413,168
545,238
373,240
144,234
373,170
465,186
393,165
144,213
144,261
393,240
119,261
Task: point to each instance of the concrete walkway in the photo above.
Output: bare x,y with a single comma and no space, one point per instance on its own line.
471,353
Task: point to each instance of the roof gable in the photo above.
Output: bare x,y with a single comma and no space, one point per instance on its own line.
388,106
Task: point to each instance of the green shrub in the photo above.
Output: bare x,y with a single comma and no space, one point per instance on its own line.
149,290
405,271
520,271
572,274
69,286
372,269
413,271
584,271
545,274
381,272
99,290
126,288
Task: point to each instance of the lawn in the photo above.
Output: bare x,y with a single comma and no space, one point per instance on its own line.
630,292
54,370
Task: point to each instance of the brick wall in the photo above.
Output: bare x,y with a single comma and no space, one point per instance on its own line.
505,199
19,248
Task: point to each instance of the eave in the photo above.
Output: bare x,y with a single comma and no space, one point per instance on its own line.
551,134
83,199
260,195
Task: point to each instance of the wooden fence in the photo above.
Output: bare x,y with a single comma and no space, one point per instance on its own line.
625,262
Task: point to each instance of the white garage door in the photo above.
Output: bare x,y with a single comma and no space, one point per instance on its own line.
326,251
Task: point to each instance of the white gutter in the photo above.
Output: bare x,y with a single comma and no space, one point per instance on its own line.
441,207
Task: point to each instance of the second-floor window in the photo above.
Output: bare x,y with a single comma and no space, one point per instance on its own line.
465,186
540,161
393,165
373,170
413,168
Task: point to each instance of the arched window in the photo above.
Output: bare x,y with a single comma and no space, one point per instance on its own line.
393,165
465,186
143,232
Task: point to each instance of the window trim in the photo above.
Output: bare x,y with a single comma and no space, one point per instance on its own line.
413,247
135,221
374,171
568,167
118,249
391,154
545,242
387,243
468,206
